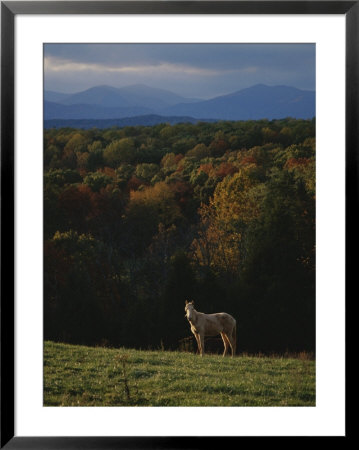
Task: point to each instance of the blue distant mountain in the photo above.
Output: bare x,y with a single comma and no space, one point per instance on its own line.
57,97
105,102
91,111
257,102
138,95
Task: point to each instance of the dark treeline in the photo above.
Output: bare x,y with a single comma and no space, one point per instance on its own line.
139,219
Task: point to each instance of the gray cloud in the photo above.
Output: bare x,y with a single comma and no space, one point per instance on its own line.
200,70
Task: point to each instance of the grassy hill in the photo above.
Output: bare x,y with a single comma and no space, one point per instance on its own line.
87,376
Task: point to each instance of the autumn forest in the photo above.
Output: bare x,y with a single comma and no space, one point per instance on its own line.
139,219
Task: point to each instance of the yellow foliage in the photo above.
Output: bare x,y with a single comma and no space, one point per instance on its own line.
158,198
233,200
232,206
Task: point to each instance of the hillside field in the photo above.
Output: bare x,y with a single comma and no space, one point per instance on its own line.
96,376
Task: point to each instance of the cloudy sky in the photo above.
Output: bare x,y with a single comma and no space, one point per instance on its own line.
191,70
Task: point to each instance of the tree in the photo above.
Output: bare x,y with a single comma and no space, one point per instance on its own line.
151,206
199,152
61,177
278,278
233,206
170,161
77,143
159,201
146,171
95,160
119,152
82,302
74,205
97,181
219,145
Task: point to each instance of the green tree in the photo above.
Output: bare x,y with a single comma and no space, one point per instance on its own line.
97,181
119,152
146,171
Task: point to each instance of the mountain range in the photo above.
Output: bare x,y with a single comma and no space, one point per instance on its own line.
106,102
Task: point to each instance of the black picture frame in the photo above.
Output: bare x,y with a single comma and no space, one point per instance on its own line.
9,9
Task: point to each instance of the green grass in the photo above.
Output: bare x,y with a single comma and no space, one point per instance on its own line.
87,376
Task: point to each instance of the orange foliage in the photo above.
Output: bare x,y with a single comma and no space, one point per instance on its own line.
297,163
248,160
182,191
108,171
171,160
207,168
178,158
134,183
226,168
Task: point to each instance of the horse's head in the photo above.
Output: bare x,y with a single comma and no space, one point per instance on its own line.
189,308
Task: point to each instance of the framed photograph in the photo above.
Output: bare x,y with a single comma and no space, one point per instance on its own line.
175,185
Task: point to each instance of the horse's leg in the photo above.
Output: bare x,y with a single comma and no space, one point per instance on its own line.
225,342
234,338
232,342
229,341
201,338
198,342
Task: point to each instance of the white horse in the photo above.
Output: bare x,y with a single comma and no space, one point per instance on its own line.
210,325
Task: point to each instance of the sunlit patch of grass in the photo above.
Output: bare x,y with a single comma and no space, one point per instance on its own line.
84,376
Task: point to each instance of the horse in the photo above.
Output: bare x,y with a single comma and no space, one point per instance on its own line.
210,325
